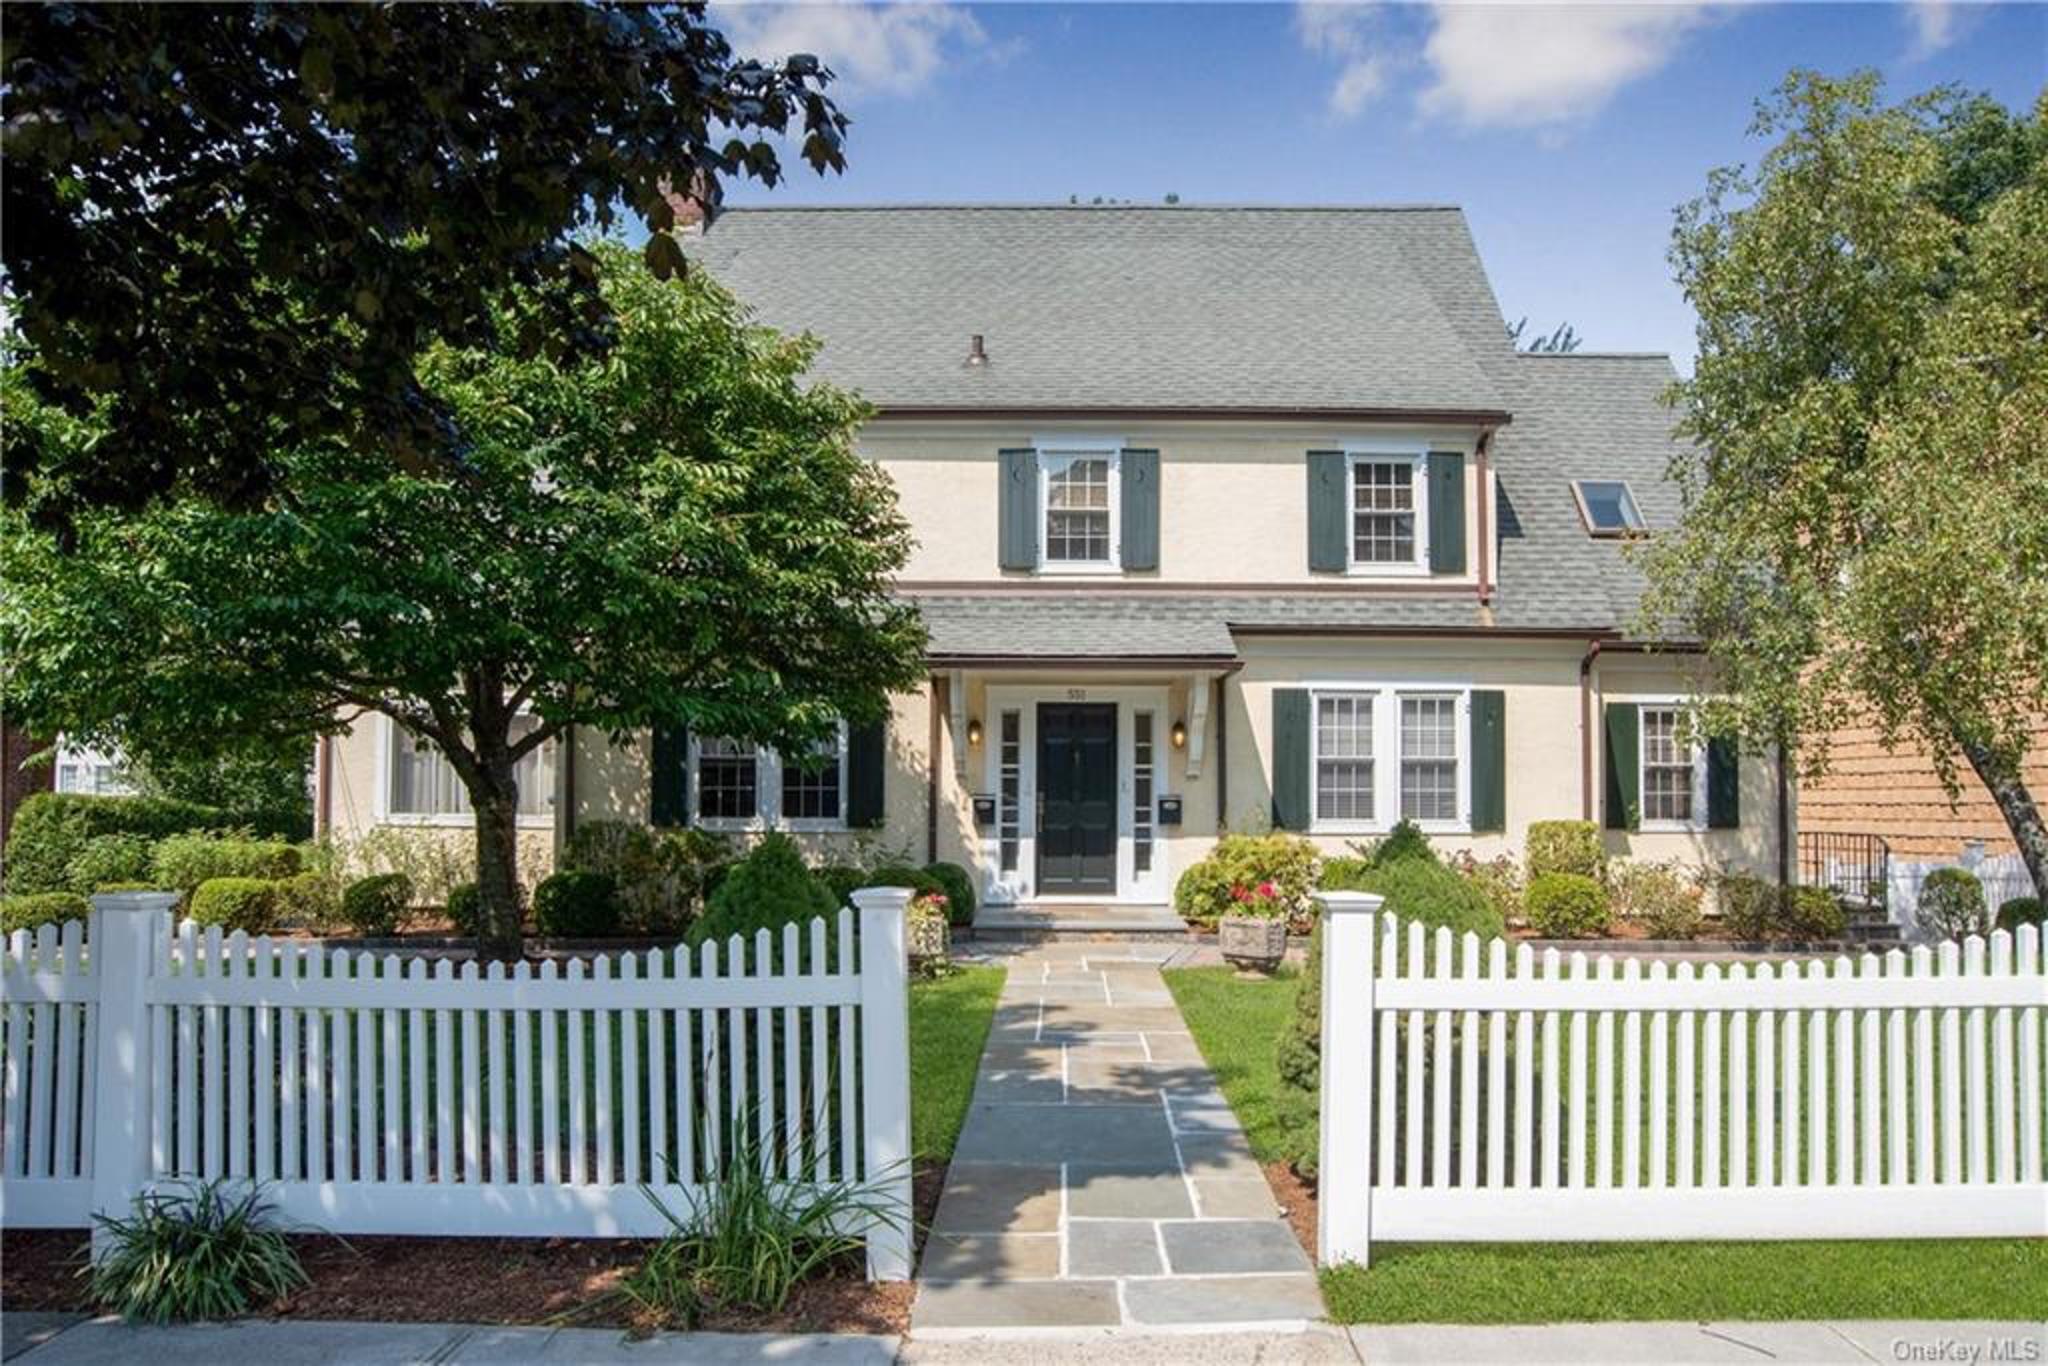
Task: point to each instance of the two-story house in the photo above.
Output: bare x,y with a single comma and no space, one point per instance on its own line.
1225,517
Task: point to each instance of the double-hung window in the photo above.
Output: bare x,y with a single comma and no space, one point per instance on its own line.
99,773
422,787
1389,504
1388,753
1674,770
1079,498
744,786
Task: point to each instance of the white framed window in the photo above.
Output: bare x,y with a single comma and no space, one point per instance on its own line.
1078,500
1673,773
738,785
1144,781
1389,752
1607,507
95,772
420,786
1388,498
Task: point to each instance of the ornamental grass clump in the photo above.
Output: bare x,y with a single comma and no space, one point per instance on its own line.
201,1251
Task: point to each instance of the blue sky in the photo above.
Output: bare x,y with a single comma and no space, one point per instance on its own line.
1567,133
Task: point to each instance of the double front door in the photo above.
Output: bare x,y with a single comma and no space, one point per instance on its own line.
1077,790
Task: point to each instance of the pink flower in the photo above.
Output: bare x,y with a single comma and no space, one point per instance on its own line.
1268,890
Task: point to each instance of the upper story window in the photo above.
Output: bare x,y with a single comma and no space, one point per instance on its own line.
1079,499
1674,770
744,786
1389,514
1608,507
98,773
424,788
1419,731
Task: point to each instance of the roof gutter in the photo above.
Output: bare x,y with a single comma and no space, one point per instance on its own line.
1226,663
1455,417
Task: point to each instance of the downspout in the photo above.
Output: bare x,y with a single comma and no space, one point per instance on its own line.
1586,663
936,689
1784,820
1485,535
1222,758
565,819
323,786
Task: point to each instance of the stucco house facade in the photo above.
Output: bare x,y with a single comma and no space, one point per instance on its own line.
1225,517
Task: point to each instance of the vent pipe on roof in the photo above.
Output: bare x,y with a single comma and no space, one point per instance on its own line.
977,355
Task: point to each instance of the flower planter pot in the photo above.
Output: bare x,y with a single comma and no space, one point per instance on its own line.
929,937
1252,944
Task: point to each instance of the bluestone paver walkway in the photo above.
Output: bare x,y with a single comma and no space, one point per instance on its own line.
1101,1180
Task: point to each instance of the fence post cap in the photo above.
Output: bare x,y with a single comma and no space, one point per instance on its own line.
1349,903
883,898
134,902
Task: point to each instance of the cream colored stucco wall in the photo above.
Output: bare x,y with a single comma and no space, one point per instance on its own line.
1232,506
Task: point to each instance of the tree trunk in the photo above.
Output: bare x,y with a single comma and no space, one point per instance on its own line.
2022,816
496,800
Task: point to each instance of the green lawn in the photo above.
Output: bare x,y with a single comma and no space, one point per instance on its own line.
949,1020
1237,1023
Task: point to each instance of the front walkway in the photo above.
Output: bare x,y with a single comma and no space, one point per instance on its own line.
1101,1180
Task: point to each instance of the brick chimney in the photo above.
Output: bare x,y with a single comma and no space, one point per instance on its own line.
695,205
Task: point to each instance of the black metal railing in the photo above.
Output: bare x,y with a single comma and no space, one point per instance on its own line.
1855,867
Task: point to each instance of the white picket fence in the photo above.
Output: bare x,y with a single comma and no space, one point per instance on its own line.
1470,1094
372,1094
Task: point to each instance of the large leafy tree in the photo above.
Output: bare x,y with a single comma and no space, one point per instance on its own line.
1866,534
680,530
232,230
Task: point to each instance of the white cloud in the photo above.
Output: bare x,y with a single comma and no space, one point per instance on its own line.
1535,65
1934,27
892,49
1343,33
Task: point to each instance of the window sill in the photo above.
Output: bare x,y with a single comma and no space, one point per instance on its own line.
1367,570
1671,828
1084,568
1374,828
458,820
757,826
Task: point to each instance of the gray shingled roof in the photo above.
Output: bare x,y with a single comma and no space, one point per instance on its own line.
1307,308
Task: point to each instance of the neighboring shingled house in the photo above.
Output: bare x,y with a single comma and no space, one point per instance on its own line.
1224,516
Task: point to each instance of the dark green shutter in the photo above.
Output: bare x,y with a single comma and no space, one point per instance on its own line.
1446,512
1724,783
1017,508
865,756
1141,509
1624,776
1489,761
669,796
1290,758
1329,550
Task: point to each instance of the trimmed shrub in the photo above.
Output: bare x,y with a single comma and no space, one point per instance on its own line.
127,887
1749,905
466,908
903,875
766,890
2020,910
1565,847
1952,903
1567,906
1300,1053
109,858
1424,890
1812,913
311,899
235,903
1203,895
959,885
27,910
662,877
1404,841
842,880
1658,896
52,828
575,905
375,906
182,862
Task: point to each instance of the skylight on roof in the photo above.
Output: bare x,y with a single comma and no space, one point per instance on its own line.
1607,506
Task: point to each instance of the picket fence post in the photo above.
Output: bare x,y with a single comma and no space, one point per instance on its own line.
123,944
1344,1153
885,1072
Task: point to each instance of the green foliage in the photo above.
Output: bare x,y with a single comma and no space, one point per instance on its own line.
842,880
1952,904
572,905
465,907
1814,913
959,887
1567,906
1565,847
200,1252
767,889
375,906
432,861
182,862
1404,841
548,556
1866,541
354,146
109,858
1426,891
1757,910
1661,897
662,876
311,899
264,782
1300,1054
1215,886
26,910
751,1240
2018,911
235,903
1499,879
52,828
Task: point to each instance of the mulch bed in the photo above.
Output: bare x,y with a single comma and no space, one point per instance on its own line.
486,1280
1297,1200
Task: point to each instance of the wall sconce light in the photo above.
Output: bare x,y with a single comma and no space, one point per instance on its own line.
974,732
1180,735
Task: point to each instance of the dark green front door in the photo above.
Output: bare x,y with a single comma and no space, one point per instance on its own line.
1077,798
